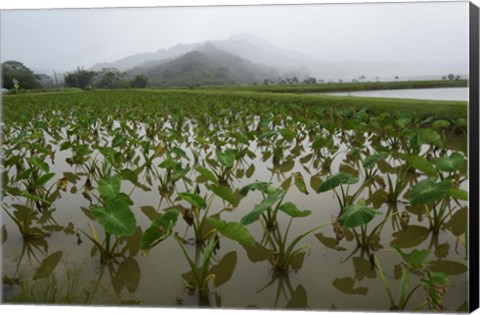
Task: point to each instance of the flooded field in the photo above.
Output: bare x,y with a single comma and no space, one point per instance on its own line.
180,199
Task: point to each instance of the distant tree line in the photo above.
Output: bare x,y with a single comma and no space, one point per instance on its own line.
17,76
451,77
293,80
107,78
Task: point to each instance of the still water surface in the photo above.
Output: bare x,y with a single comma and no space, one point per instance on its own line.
329,277
445,94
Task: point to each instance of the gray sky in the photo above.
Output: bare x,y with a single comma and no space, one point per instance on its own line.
405,32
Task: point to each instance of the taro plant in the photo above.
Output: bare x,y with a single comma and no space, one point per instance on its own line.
358,215
434,196
201,269
436,193
283,251
113,213
435,284
223,166
338,180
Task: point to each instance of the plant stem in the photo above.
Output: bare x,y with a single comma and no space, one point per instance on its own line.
385,283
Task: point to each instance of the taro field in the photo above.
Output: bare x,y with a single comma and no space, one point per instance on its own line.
197,198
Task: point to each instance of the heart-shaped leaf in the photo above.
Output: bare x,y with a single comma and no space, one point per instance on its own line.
129,175
300,183
42,180
226,158
109,187
421,164
225,193
233,231
271,199
193,199
208,175
159,230
336,180
261,186
357,215
292,210
450,164
373,159
429,191
116,218
458,193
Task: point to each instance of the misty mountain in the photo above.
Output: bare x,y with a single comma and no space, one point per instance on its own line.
273,62
245,45
207,65
138,59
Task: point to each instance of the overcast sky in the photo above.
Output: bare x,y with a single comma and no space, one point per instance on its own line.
406,32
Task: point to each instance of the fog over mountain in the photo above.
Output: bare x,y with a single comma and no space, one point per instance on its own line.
265,61
328,42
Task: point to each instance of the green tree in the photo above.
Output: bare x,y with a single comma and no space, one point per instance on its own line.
80,78
110,78
139,82
16,70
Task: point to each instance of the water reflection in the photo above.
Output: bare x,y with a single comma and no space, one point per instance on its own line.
158,161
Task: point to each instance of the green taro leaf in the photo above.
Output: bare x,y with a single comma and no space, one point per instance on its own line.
450,164
292,210
193,199
207,174
116,218
373,159
42,180
335,180
118,141
129,175
268,202
233,231
403,122
357,215
180,153
430,136
421,164
429,191
109,187
441,123
261,186
179,172
39,163
225,193
226,158
458,193
168,164
159,230
300,183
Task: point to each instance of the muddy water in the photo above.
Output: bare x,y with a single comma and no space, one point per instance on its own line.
329,275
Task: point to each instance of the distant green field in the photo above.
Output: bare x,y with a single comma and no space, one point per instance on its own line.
345,87
417,108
